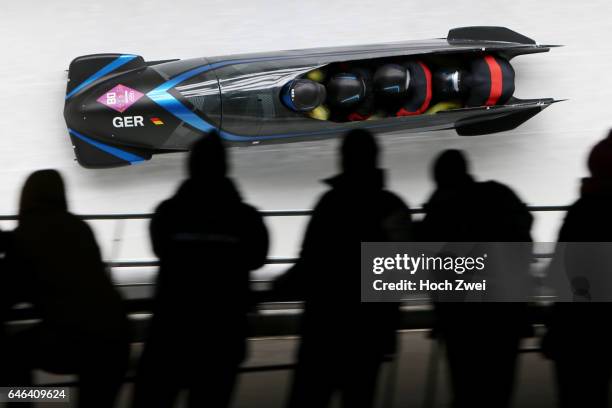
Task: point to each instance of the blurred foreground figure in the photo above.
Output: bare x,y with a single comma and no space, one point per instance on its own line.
6,296
481,339
343,340
207,240
57,264
579,337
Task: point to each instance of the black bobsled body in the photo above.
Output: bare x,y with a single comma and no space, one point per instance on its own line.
121,109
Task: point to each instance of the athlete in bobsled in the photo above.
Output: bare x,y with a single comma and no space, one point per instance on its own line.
487,81
345,96
405,89
356,94
411,89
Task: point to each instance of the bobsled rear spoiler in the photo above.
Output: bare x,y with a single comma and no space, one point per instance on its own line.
487,33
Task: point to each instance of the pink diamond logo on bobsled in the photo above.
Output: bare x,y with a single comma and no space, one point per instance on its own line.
120,98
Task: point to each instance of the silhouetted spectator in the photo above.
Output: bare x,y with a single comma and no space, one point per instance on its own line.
6,298
207,240
481,339
579,336
344,341
58,268
464,210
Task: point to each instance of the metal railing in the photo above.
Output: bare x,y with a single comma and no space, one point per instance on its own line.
266,213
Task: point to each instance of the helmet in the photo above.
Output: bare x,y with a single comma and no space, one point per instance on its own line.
345,90
448,83
485,72
391,79
303,95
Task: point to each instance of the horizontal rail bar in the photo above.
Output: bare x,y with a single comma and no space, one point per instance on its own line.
132,264
285,213
138,264
266,213
548,208
269,261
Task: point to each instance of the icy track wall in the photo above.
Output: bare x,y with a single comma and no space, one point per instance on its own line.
543,159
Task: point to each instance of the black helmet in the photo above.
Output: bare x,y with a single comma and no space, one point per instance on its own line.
391,79
303,95
345,90
448,83
490,82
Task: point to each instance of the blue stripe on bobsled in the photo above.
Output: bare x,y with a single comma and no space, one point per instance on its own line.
107,69
121,154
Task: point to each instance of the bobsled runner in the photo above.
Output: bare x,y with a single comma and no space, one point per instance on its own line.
121,109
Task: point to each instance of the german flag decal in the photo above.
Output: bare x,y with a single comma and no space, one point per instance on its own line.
157,121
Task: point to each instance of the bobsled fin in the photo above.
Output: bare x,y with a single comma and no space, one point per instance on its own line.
500,124
86,70
93,154
486,33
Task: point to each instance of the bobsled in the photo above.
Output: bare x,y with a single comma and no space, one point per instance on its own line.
121,109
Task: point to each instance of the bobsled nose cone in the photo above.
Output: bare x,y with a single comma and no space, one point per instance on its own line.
73,111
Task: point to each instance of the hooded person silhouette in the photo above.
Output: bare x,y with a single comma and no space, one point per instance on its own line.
343,341
481,339
451,170
207,240
578,337
462,209
58,268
